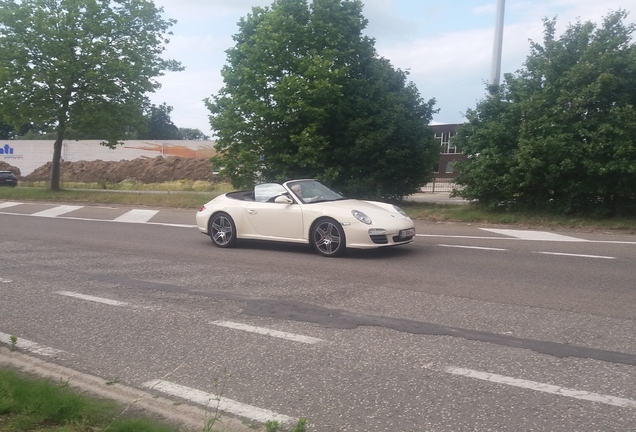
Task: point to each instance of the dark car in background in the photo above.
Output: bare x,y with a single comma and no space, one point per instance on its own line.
7,178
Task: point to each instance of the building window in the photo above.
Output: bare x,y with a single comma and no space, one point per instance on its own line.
449,167
445,142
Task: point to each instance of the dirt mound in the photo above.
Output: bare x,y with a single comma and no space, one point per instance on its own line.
6,167
157,170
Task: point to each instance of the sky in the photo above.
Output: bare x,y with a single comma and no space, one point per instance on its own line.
445,45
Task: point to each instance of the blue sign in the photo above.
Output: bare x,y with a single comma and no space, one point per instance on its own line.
6,150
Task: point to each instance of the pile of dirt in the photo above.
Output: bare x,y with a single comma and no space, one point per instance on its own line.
157,170
6,167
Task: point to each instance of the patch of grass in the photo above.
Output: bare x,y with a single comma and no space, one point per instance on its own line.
473,213
178,199
38,404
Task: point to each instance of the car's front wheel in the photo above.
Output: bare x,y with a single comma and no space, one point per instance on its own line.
328,238
222,230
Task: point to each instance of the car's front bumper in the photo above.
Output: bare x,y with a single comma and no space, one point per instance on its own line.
358,237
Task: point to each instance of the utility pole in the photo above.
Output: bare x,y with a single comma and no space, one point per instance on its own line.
495,71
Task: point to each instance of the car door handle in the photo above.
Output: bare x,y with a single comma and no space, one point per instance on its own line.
252,212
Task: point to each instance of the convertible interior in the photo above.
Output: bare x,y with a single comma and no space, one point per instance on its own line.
242,195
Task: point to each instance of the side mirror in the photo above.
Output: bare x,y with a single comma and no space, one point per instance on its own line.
282,199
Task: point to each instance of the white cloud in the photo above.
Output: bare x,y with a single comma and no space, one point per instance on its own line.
185,91
489,9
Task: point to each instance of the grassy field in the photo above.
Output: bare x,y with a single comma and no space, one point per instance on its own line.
191,195
30,404
35,404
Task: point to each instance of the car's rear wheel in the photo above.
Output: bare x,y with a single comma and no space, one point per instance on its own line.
328,238
222,230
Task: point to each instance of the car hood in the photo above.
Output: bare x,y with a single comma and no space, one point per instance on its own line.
377,211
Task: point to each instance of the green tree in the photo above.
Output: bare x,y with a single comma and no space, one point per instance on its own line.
560,134
159,126
84,65
191,134
306,95
6,131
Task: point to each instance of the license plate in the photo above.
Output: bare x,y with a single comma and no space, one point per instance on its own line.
407,233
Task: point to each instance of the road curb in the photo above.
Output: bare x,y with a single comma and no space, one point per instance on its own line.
175,412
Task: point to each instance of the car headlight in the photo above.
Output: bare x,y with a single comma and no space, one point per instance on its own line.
400,211
361,217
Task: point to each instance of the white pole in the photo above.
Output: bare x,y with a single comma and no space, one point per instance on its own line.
495,71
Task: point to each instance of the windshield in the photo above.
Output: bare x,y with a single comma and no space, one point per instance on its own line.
311,191
268,192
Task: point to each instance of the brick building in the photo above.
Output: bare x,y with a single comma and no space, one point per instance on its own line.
449,152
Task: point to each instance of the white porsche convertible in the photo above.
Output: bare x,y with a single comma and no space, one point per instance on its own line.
304,211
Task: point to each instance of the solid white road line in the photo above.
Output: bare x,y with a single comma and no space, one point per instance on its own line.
541,387
510,238
211,400
577,255
137,216
267,332
30,346
471,247
534,235
56,211
104,220
92,298
9,204
2,280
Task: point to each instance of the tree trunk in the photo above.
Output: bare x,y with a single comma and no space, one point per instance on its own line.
55,163
57,147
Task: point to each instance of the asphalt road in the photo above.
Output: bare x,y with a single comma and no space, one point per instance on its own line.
465,329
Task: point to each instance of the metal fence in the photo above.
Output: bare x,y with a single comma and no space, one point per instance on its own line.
440,185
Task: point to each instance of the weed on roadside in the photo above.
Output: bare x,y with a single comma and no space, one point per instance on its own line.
219,390
14,342
273,426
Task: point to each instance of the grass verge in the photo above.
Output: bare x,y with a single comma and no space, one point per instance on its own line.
184,195
41,405
474,213
176,199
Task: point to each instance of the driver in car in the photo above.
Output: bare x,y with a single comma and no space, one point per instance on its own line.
298,190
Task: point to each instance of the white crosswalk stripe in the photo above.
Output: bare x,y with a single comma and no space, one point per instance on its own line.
534,235
8,204
57,211
137,216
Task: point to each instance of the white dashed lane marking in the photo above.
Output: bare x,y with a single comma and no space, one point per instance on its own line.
137,216
30,346
92,298
541,387
577,255
57,211
471,247
267,332
228,405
